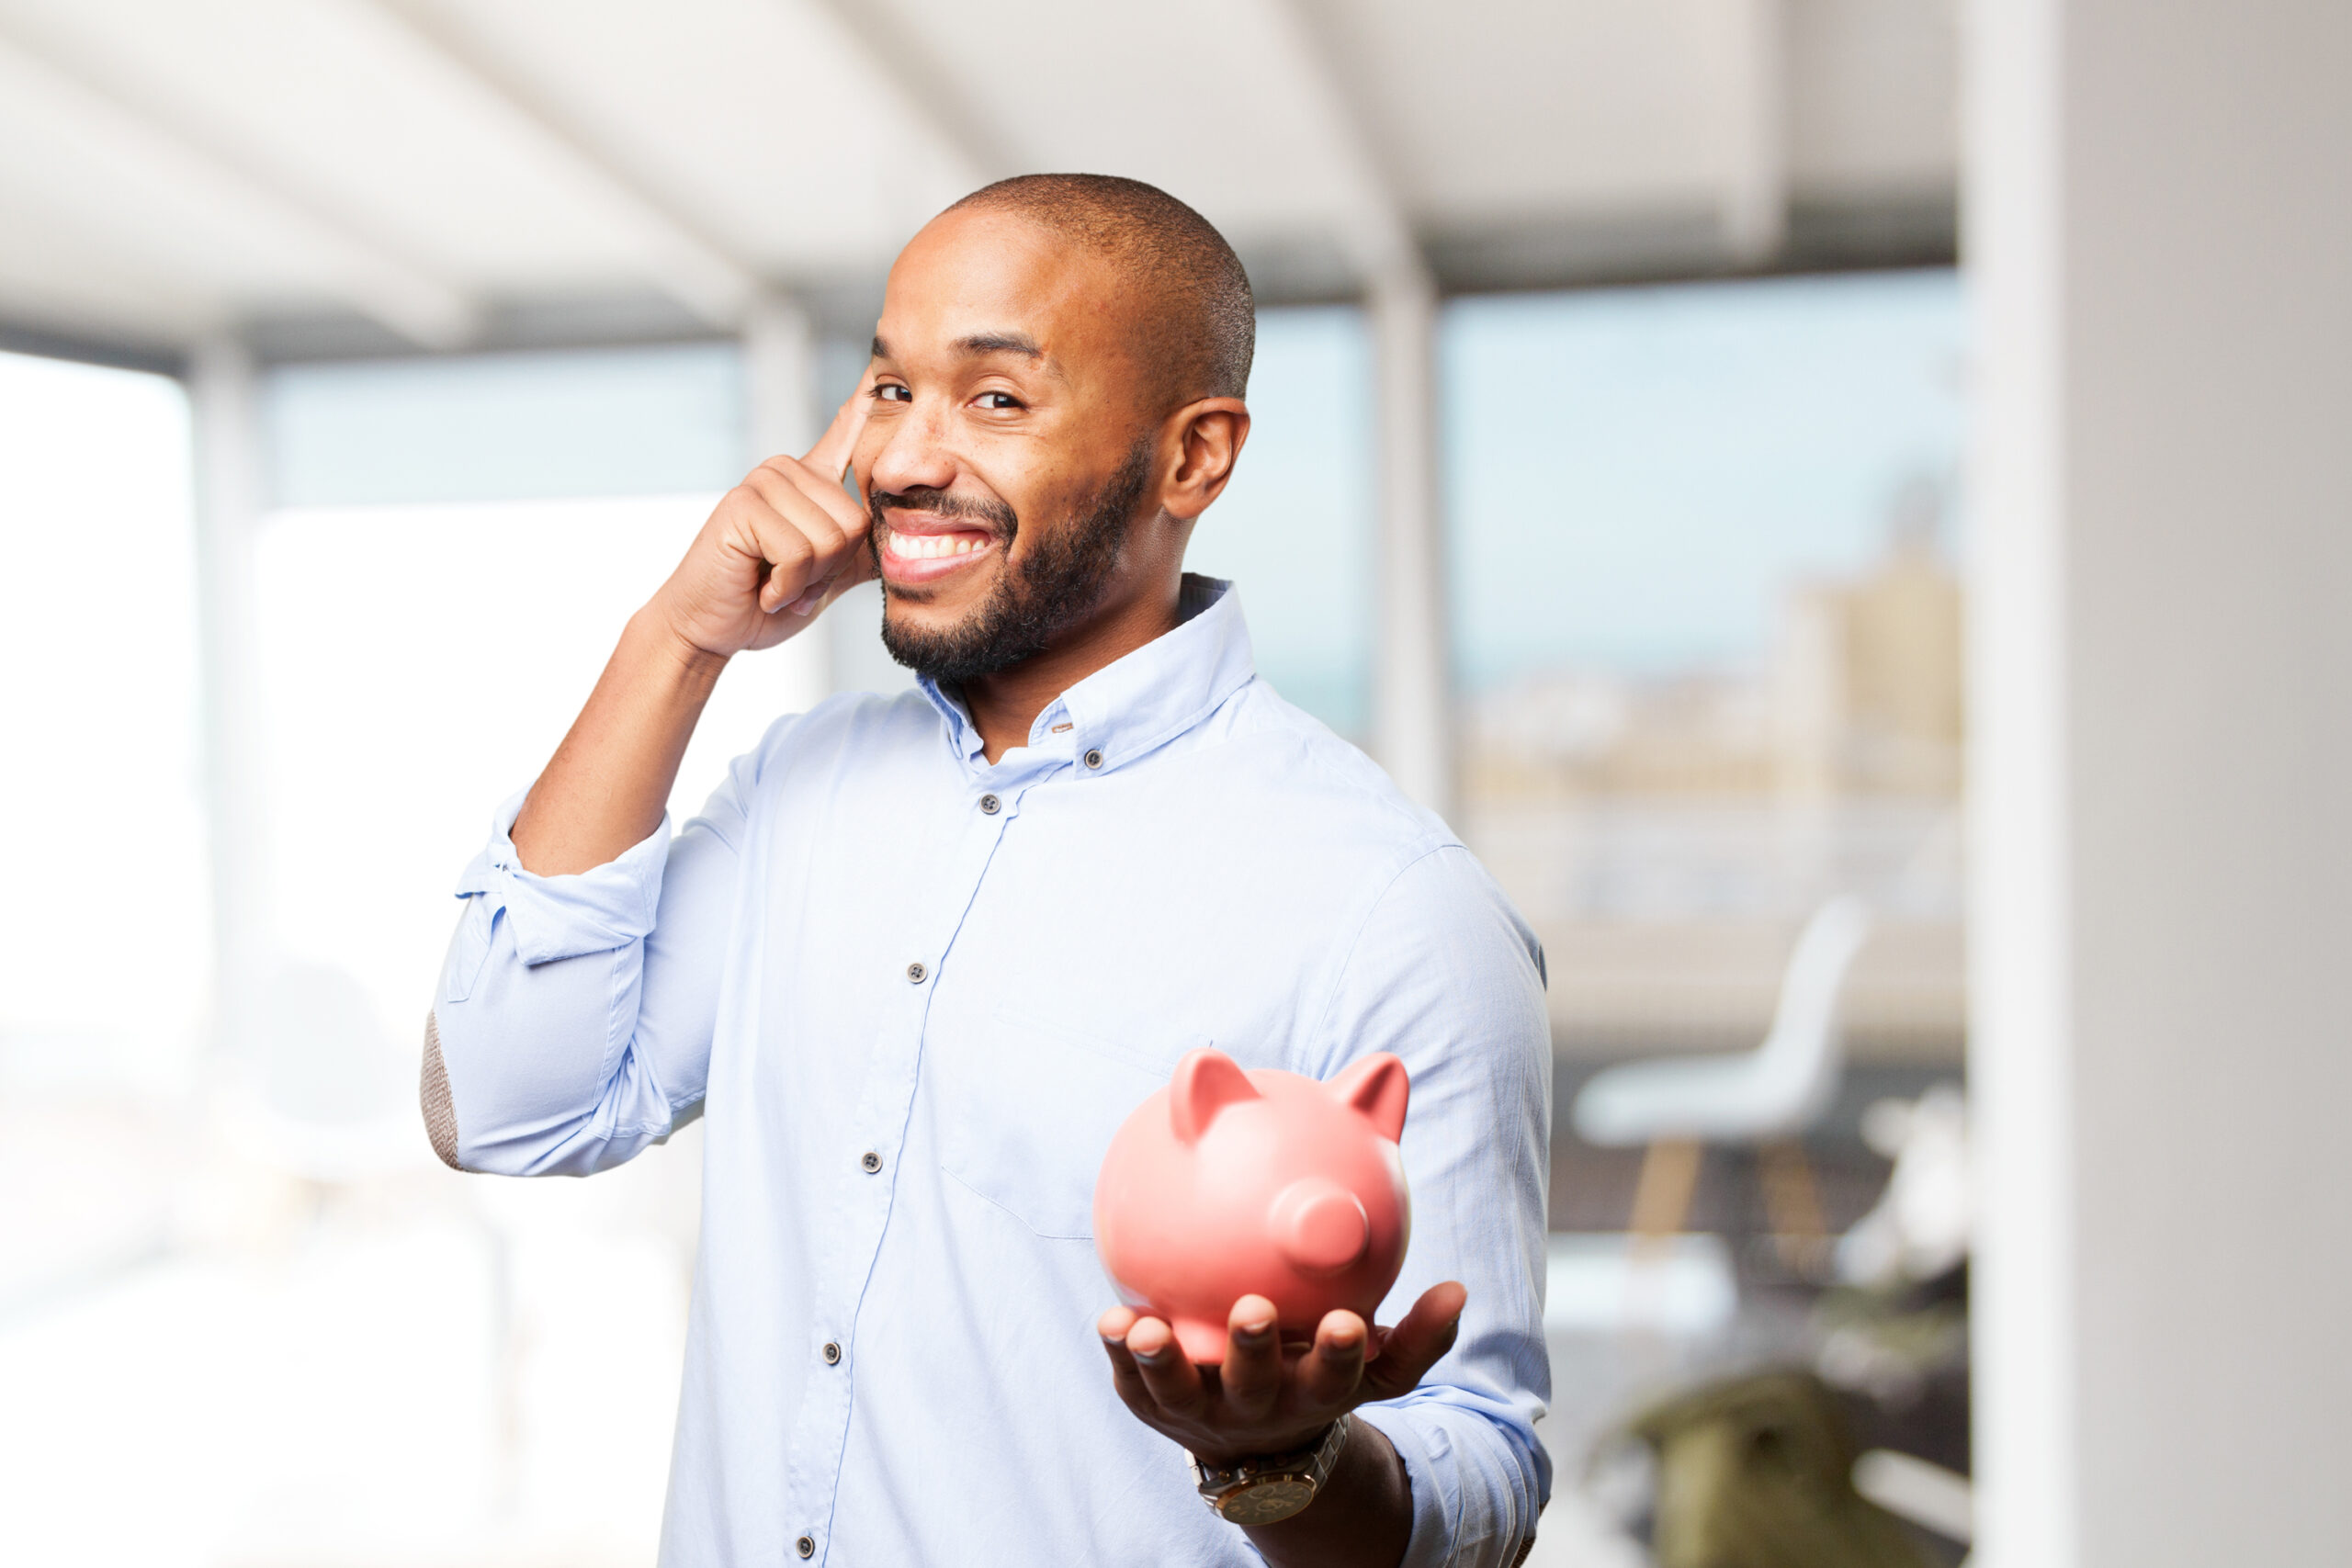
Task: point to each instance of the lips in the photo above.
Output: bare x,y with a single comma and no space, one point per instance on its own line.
924,549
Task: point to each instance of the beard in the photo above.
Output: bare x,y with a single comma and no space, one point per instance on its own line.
1037,597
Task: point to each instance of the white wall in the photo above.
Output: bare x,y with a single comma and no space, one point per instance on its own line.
2160,237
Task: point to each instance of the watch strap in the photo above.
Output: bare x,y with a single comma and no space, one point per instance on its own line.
1285,1482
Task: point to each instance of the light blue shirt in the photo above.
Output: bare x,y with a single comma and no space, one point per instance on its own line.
914,995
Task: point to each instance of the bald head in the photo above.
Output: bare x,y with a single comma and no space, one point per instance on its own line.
1195,319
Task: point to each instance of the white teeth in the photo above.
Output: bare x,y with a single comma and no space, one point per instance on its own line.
931,546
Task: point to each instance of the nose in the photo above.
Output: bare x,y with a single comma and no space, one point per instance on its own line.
914,452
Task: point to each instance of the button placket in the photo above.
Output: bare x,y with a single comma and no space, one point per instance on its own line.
813,1466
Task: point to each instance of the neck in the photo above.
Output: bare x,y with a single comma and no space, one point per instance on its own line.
1005,706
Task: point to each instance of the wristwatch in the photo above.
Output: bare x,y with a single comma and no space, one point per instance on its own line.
1260,1490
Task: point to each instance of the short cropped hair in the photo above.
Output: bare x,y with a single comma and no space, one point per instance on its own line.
1204,330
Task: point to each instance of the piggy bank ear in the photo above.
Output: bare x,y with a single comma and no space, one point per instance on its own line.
1378,1088
1206,1082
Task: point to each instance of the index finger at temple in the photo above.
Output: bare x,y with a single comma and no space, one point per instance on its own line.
831,456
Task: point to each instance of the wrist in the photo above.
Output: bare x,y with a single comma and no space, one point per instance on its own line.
1265,1489
694,663
1226,1459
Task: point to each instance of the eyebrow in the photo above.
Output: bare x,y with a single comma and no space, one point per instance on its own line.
1001,343
980,344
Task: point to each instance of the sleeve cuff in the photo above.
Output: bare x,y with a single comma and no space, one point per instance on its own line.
1449,1528
1433,1541
564,916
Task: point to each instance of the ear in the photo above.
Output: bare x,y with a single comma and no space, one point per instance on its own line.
1378,1088
1206,1082
1209,434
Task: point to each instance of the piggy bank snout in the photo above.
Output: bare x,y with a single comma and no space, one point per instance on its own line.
1319,1225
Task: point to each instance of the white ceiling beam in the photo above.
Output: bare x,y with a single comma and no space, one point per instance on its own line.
386,288
927,93
687,263
1372,229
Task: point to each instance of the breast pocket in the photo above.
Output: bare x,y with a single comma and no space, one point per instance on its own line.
1027,1108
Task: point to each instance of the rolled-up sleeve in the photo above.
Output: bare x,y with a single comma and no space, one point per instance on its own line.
1446,974
572,1022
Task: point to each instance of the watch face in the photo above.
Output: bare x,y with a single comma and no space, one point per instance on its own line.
1264,1502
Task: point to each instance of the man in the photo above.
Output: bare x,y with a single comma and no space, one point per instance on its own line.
921,956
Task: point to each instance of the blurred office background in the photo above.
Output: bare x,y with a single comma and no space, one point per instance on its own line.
1631,453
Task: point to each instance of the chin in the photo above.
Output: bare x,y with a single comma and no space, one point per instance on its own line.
916,612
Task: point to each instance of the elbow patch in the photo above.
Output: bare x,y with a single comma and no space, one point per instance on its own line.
433,1097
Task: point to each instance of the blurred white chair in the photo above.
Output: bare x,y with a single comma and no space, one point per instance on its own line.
1766,1098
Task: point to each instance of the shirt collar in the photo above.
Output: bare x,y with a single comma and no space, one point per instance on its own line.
1139,702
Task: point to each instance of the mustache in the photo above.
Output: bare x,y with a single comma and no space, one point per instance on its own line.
999,518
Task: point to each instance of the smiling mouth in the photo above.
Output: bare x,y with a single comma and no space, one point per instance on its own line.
905,547
931,550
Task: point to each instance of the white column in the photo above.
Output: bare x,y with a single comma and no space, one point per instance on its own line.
1755,193
230,487
780,385
1412,685
2162,780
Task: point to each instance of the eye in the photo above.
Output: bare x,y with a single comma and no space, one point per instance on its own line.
1000,400
892,392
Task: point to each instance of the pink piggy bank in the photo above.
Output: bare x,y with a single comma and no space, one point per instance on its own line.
1226,1184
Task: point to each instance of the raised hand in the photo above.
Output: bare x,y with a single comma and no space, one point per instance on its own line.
774,549
777,549
1270,1397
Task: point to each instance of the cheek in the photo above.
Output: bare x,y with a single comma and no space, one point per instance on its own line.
1045,495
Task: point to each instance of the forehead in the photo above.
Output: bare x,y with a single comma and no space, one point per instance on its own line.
983,274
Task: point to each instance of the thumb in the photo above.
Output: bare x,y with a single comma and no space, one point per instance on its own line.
1414,1345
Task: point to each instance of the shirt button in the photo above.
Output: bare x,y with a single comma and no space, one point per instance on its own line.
915,972
869,1162
1094,759
990,806
832,1354
806,1546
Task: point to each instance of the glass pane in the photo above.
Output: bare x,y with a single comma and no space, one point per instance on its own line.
507,426
106,933
1294,527
1705,545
